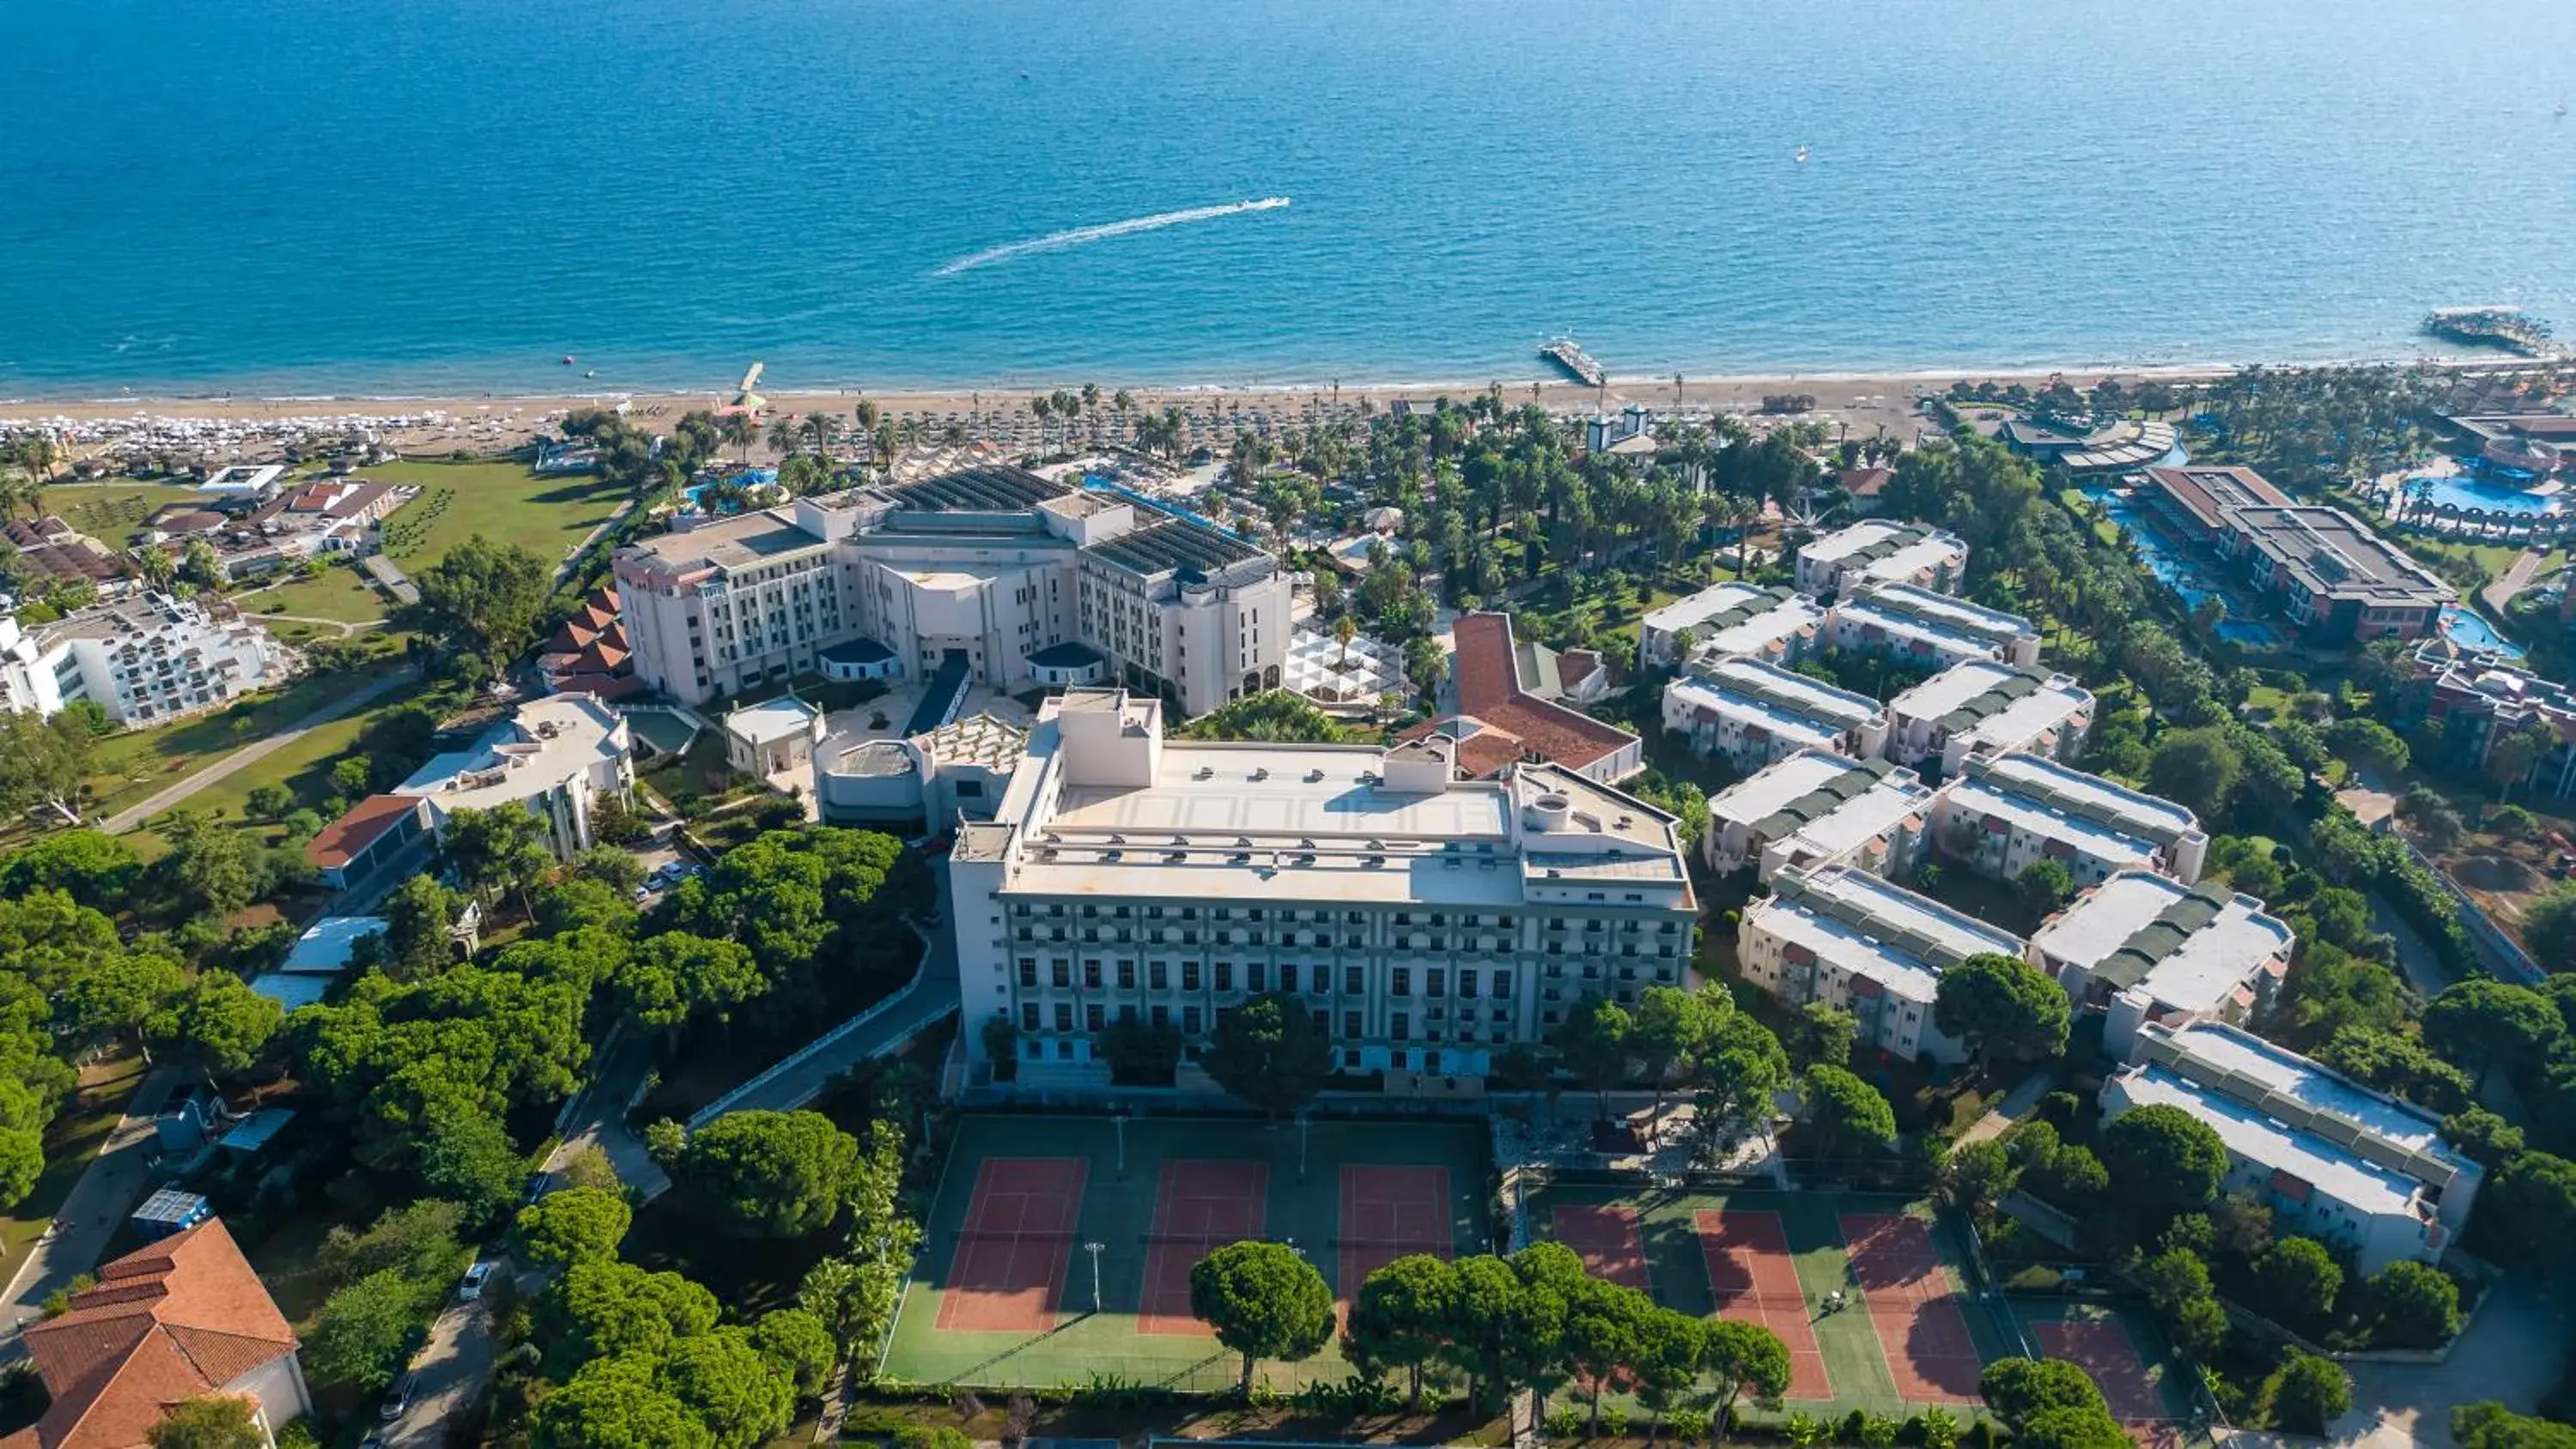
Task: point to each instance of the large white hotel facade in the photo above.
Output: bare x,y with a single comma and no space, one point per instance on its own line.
1430,922
1016,580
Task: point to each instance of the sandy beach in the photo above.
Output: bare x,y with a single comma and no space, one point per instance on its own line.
1860,405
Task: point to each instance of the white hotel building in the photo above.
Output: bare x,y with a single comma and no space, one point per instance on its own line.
1882,551
1752,712
1780,625
145,659
2144,948
1985,708
1430,922
1845,937
1008,578
2332,1159
1909,622
1814,809
2005,812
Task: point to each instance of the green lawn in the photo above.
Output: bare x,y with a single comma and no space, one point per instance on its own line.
502,501
340,593
132,764
1119,1212
109,512
73,1139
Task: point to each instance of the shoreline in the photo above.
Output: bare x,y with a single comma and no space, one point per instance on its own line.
1862,403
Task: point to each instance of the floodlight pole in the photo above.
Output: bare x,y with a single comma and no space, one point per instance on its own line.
1304,1122
1094,1250
1119,1121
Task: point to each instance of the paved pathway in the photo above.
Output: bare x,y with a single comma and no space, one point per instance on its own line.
564,569
255,751
447,1376
2500,593
2014,1106
597,1118
108,1189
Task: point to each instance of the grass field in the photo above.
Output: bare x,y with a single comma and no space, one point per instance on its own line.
109,512
131,764
1052,1184
339,593
502,501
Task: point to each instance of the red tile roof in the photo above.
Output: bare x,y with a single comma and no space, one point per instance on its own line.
1866,482
2207,490
1489,689
173,1321
346,838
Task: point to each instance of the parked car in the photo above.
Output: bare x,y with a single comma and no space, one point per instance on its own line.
398,1402
475,1278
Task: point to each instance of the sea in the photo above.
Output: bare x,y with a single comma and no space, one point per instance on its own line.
440,197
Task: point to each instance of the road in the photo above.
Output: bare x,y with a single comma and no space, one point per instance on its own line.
108,1189
563,570
931,995
597,1118
447,1376
255,751
2500,593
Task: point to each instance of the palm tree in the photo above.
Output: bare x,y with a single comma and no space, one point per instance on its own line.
865,415
783,435
1043,407
1123,403
1343,630
822,428
742,430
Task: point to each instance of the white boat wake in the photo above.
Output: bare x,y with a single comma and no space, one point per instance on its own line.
1085,235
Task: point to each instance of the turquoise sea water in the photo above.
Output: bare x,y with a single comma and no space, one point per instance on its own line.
419,195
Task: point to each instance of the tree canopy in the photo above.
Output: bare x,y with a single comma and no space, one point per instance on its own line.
1264,1300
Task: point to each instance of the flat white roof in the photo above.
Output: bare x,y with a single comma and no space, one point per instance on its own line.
545,743
1843,543
2292,1075
1707,604
1812,699
1865,816
775,719
1881,903
325,946
1939,633
2257,1138
2201,967
2029,717
1913,558
1951,688
1752,634
1766,790
1283,823
1978,798
1947,609
2103,799
1875,929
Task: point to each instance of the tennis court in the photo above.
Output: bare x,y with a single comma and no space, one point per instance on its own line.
1037,1218
1914,1307
1754,1278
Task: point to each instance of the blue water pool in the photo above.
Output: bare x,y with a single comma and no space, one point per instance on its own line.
2495,494
2470,631
2181,572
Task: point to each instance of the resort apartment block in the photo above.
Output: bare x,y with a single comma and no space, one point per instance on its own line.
2142,948
2332,1159
2325,569
1985,708
1910,622
1013,579
2486,698
144,659
1841,935
2003,814
1780,625
1814,809
1428,921
1881,551
1752,712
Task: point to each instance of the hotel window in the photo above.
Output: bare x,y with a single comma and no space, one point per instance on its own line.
1091,974
1028,1016
1094,1018
1287,975
1225,976
1353,981
1252,976
1126,975
1400,1027
1467,985
1350,1023
1502,986
1435,983
1064,1016
1189,976
1400,981
1158,975
1028,971
1190,1020
1062,970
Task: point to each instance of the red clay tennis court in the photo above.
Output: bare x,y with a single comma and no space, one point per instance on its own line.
1390,1213
1912,1307
1011,1255
1198,1207
1753,1278
2102,1349
1605,1237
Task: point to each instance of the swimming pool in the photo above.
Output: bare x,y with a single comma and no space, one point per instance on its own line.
2179,571
2470,630
2496,493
